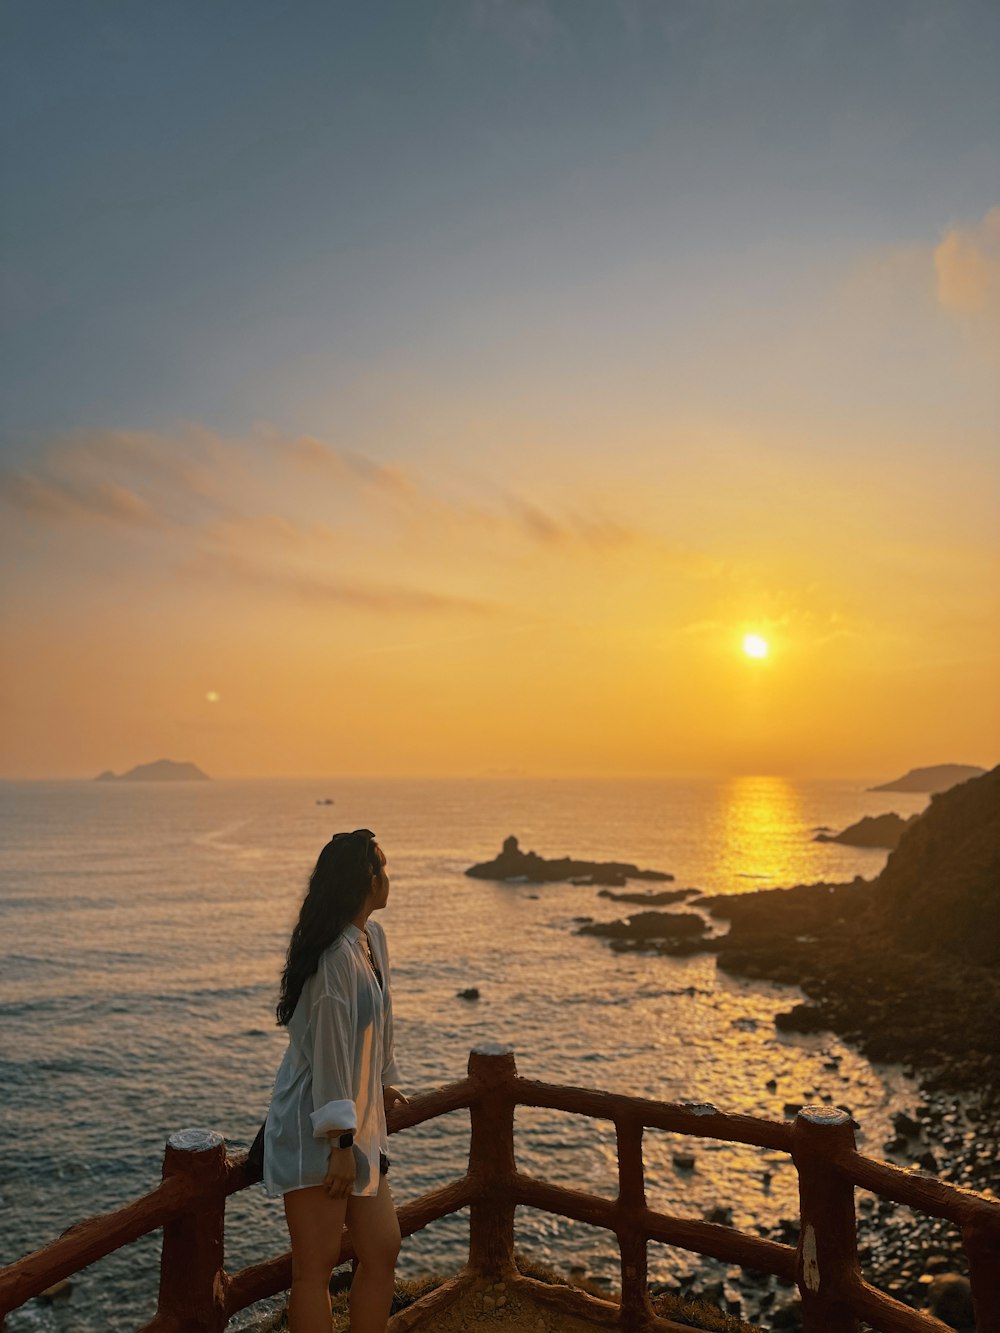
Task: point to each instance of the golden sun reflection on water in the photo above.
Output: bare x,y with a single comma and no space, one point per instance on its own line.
759,817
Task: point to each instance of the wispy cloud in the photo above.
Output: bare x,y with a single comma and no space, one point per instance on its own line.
75,502
132,479
967,267
300,519
316,455
331,591
547,528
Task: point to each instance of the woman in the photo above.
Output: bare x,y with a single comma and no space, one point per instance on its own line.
325,1143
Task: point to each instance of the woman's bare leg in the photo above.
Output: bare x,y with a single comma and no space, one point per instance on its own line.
375,1233
315,1225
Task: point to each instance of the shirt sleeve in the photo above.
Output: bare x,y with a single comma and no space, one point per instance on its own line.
334,1110
391,1072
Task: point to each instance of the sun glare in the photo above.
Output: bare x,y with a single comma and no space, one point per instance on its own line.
754,645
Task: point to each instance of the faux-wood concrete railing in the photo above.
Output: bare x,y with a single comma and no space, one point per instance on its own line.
197,1295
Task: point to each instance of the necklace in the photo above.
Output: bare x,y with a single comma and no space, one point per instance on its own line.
370,957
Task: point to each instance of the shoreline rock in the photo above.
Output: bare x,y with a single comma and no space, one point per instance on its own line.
651,898
530,868
644,926
882,831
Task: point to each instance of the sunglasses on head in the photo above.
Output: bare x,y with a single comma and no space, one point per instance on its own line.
366,833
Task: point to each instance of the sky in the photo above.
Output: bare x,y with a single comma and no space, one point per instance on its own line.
448,389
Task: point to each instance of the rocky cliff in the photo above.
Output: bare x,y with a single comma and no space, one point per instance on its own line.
940,889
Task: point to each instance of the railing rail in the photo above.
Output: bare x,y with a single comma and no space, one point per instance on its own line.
197,1295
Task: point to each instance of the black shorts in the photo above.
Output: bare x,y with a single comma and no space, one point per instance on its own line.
383,1164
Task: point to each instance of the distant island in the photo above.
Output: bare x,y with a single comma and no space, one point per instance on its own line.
513,864
162,770
872,831
940,777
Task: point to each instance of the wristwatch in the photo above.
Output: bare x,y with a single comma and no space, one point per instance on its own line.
346,1139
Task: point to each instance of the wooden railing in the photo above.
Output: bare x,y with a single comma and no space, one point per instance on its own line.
197,1295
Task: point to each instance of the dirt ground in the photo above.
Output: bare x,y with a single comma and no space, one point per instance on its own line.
494,1306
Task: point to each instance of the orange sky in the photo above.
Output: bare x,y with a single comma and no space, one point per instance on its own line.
563,605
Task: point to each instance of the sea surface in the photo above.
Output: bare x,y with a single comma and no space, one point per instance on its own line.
142,933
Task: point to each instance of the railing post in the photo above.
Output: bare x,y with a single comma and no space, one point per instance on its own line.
491,1161
192,1281
826,1265
636,1309
982,1247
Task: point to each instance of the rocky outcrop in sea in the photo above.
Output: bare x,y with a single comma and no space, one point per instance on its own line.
882,831
529,867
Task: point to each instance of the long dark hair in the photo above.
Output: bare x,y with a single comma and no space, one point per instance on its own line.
338,886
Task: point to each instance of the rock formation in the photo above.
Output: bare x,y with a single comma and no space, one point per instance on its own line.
940,889
649,926
872,831
513,864
650,897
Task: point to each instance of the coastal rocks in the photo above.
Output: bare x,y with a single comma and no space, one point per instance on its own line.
905,1124
662,932
949,1298
882,831
801,1018
529,867
651,897
903,966
469,993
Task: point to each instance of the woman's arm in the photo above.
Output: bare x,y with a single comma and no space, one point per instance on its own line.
340,1172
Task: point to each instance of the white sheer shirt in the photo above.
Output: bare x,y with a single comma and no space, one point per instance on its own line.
340,1055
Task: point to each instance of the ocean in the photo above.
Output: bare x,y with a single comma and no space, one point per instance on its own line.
143,930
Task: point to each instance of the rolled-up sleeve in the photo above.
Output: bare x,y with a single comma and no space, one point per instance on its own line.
334,1109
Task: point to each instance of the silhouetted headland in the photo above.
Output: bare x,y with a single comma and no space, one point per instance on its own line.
513,864
940,777
872,831
162,770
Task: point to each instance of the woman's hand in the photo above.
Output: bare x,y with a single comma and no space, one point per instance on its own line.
340,1173
391,1095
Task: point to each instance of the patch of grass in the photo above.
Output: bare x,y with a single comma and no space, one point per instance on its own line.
697,1314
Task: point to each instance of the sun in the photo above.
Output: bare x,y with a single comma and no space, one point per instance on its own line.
754,645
